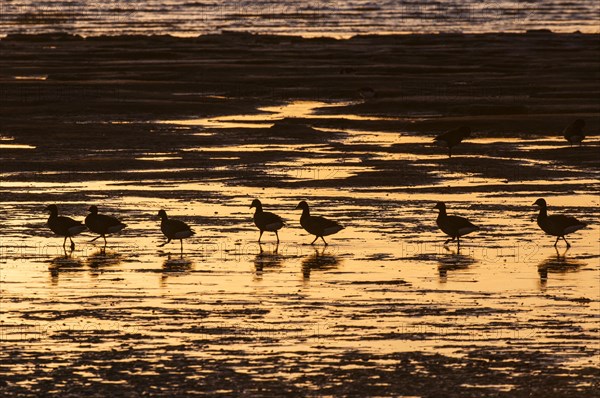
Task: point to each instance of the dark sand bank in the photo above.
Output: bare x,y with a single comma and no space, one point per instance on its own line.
502,84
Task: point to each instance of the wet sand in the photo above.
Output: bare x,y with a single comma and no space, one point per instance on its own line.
202,126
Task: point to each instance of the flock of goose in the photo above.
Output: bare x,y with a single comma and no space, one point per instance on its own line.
453,226
573,133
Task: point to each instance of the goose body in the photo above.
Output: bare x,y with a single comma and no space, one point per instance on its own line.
266,221
574,132
317,225
556,225
102,224
453,137
453,226
64,226
173,229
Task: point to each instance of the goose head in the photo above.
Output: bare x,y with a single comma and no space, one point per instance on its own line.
93,209
464,131
256,203
541,203
52,209
162,214
302,205
579,124
441,206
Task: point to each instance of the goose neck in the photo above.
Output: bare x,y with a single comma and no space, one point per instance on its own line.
305,212
543,212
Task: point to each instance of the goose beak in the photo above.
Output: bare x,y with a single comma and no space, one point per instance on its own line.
297,207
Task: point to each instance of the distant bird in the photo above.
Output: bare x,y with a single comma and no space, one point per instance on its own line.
64,226
574,132
173,229
453,226
317,225
102,224
366,93
266,221
453,137
556,225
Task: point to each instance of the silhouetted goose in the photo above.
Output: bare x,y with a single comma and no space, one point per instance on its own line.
266,221
453,137
64,226
453,226
317,225
574,132
173,229
102,224
366,93
556,225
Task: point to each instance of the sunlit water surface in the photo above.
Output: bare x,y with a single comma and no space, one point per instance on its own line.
295,17
384,284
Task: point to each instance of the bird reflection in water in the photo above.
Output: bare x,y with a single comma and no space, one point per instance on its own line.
453,261
319,262
267,259
175,266
102,259
62,264
557,264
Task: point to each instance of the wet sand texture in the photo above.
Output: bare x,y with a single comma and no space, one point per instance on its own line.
136,124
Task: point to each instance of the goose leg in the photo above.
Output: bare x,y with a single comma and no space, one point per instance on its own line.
181,243
97,237
72,244
277,235
326,244
168,240
105,242
449,151
313,242
568,244
556,243
64,242
448,240
260,236
458,241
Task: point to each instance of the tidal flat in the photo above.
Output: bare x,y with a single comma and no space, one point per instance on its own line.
202,126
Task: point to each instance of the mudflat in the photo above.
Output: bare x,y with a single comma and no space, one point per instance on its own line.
201,126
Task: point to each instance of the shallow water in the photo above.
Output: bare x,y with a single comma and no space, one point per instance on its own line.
321,18
280,313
